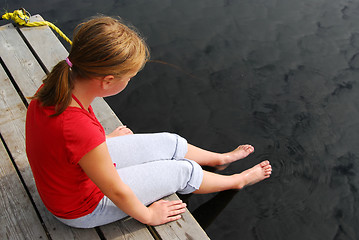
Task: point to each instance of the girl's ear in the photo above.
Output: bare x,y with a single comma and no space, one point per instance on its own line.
107,81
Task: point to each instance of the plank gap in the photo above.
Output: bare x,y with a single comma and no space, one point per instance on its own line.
25,187
12,80
153,232
32,50
100,233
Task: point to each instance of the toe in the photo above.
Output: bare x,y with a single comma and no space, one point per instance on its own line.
264,163
250,148
267,167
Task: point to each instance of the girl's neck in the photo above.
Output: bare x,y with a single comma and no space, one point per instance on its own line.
85,93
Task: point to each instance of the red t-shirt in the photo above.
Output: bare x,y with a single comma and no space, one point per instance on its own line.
54,146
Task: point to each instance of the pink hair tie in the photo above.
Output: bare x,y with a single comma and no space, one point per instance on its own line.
68,62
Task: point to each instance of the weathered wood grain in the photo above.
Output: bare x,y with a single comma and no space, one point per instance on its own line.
20,61
185,228
125,229
18,219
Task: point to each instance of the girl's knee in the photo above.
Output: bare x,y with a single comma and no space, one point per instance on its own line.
191,175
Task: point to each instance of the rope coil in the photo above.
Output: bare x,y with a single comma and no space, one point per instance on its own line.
22,17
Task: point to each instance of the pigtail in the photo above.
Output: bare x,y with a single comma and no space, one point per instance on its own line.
57,88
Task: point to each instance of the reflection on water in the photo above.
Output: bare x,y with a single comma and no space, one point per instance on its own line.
279,74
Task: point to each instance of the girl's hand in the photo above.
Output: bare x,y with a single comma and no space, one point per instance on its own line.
164,211
120,131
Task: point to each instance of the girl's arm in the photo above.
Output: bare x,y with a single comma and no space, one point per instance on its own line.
98,166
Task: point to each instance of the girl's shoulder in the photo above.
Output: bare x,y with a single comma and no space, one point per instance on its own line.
77,121
81,133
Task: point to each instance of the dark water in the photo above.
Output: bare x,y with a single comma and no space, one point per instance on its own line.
279,74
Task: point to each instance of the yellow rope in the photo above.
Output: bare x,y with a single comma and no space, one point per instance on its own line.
22,17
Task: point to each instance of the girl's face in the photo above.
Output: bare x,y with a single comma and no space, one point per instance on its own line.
119,83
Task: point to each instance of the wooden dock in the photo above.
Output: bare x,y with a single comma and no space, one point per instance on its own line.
27,54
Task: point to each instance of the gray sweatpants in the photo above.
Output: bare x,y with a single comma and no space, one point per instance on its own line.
153,166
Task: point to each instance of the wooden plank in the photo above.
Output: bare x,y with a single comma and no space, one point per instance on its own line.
185,228
50,50
13,133
45,43
18,220
128,228
19,60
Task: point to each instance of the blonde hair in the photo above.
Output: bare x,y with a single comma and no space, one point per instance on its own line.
101,46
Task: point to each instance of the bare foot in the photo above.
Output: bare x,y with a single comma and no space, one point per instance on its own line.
255,174
239,153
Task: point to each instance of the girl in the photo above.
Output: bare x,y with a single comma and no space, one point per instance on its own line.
86,180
